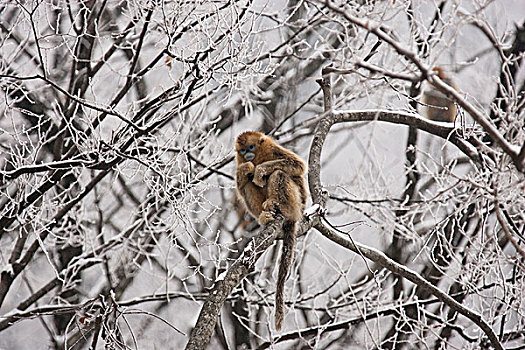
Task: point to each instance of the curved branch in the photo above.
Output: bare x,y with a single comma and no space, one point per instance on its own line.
444,130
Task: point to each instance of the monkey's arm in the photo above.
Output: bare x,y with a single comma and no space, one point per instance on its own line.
292,165
244,174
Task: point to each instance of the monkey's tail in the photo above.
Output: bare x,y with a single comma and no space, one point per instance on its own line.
287,256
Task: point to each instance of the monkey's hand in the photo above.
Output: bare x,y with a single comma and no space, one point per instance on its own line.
270,205
260,175
244,174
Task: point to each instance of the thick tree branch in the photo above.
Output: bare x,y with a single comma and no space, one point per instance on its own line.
444,130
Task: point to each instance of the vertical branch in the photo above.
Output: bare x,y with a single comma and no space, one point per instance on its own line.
322,129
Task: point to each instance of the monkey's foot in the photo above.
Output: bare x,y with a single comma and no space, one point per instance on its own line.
265,217
270,205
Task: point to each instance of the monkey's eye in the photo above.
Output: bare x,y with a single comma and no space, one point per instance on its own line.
242,151
251,148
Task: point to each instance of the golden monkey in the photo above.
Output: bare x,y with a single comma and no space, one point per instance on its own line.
270,181
440,108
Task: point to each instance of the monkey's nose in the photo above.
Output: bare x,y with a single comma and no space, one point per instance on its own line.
249,156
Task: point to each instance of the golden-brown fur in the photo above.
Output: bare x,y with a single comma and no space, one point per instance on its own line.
272,183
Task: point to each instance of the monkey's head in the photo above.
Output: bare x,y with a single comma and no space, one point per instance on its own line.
248,146
443,75
440,72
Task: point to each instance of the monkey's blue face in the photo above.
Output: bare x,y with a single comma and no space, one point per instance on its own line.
248,153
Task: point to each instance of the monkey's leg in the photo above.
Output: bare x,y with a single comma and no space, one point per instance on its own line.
283,198
253,198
